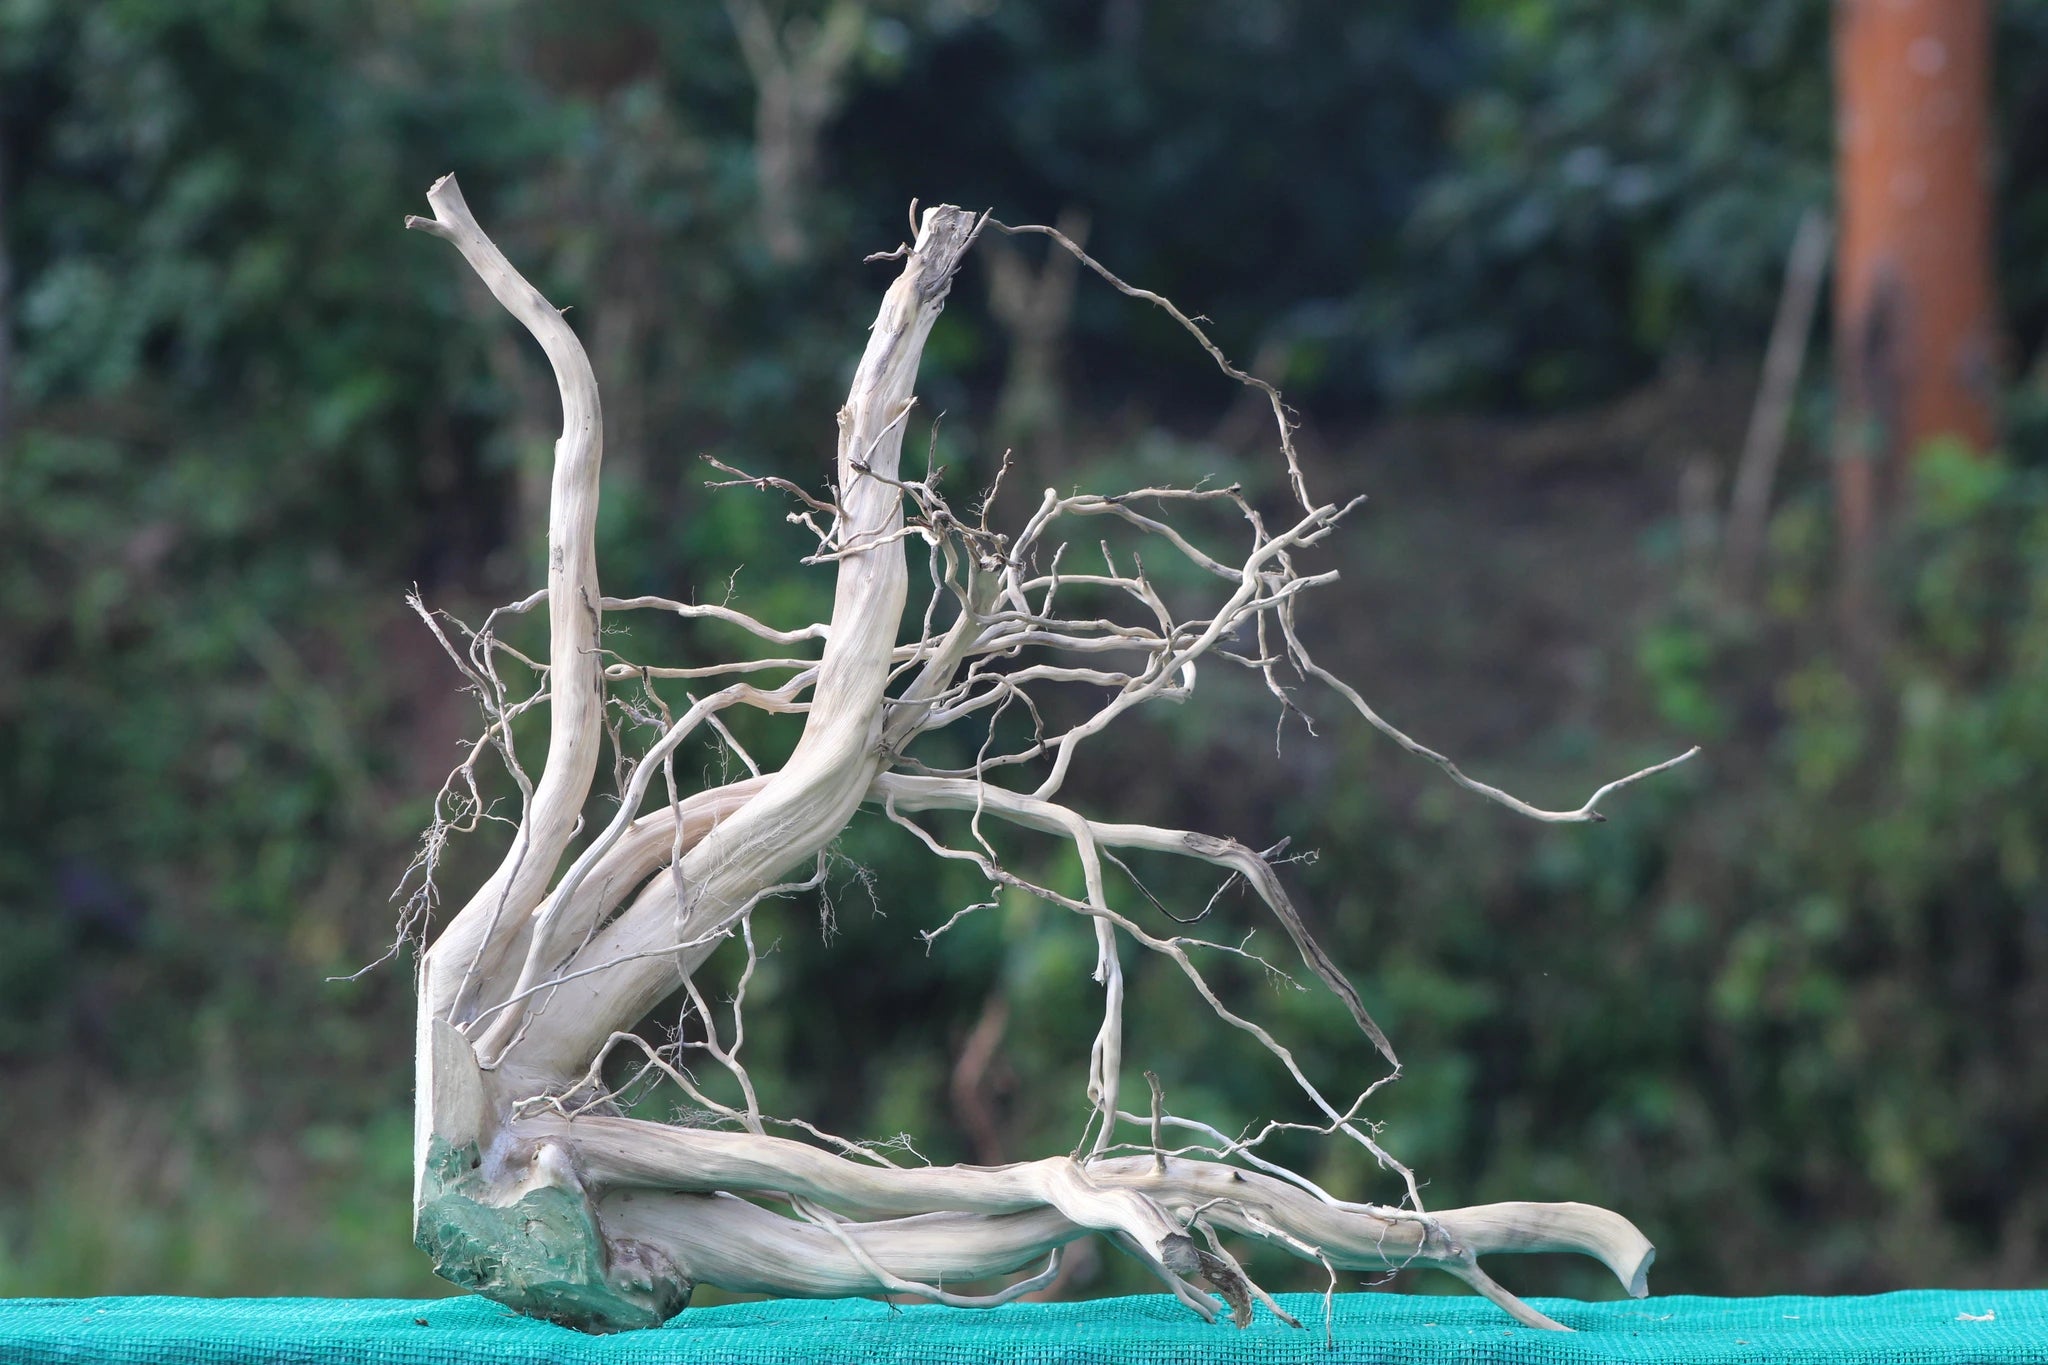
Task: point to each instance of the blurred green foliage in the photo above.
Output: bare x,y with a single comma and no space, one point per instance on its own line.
1625,182
1789,998
1780,1008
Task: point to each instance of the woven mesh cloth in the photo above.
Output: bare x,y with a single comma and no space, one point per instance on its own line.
1987,1328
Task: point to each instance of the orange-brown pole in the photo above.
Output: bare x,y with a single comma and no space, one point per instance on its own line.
1914,352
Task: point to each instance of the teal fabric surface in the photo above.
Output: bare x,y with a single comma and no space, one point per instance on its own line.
1989,1328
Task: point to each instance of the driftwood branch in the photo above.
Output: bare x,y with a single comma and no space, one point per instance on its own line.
532,1186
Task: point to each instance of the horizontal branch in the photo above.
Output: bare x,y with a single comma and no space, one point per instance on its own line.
997,1218
747,1249
908,792
696,611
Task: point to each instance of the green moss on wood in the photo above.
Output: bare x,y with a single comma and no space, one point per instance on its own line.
526,1236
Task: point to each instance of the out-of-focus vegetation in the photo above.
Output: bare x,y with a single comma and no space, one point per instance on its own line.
1514,259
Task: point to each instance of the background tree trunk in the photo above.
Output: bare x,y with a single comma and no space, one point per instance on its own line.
1914,353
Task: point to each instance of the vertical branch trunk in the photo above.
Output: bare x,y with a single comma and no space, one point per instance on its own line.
1913,314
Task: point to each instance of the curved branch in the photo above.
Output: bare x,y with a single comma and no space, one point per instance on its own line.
1584,814
574,613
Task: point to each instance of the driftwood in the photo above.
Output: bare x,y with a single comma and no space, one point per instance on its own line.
530,1184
